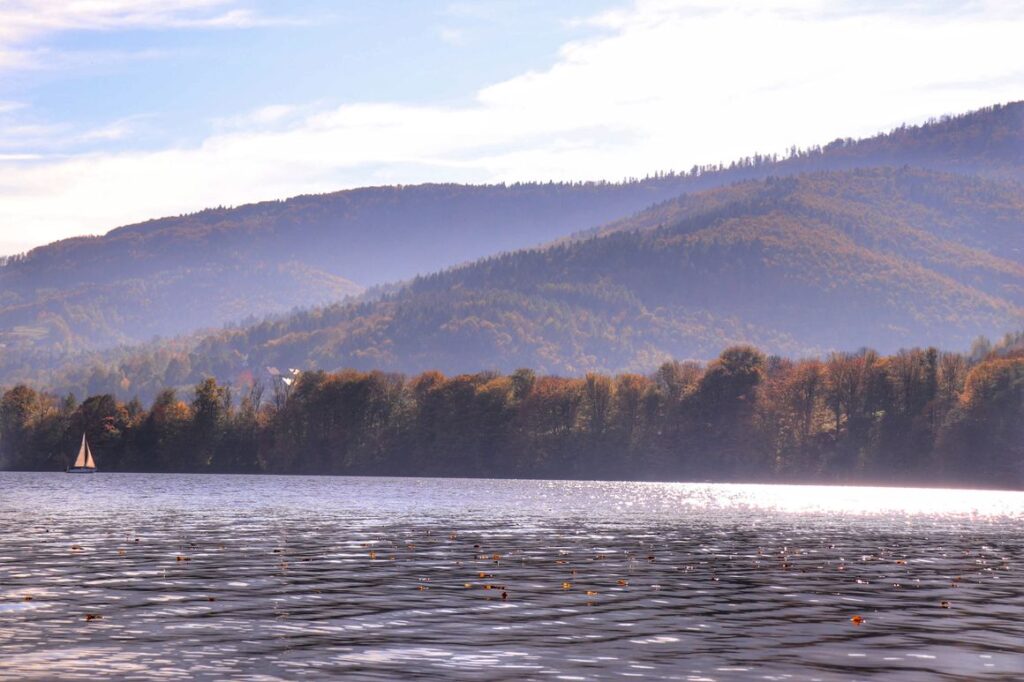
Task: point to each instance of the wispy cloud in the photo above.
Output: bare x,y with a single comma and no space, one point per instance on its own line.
660,85
24,19
270,116
452,36
23,23
61,139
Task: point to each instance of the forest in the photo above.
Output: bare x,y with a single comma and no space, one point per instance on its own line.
884,258
920,416
177,275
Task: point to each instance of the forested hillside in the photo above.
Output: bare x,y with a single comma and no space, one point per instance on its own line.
175,275
890,258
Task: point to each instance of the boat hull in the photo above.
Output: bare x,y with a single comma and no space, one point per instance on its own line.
81,470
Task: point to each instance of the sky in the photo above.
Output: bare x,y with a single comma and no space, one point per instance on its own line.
117,111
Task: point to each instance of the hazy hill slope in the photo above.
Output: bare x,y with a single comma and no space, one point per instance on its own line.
174,275
788,265
796,265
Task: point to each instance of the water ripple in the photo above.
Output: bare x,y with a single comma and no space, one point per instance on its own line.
261,578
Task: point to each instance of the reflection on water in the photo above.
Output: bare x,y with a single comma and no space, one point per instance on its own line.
291,578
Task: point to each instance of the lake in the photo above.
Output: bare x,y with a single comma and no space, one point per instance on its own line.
205,576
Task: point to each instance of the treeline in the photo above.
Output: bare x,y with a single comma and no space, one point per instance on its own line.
917,417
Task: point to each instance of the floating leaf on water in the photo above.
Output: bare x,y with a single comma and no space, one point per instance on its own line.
496,556
373,555
76,548
121,552
211,599
93,616
183,558
857,620
566,586
481,574
28,597
467,585
504,595
623,582
944,604
422,587
591,593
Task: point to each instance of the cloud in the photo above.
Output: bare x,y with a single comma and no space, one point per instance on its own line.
60,138
452,36
25,22
657,85
21,20
7,107
269,116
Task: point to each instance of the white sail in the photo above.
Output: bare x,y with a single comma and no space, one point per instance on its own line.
88,457
83,455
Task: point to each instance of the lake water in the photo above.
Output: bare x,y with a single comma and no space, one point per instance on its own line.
304,577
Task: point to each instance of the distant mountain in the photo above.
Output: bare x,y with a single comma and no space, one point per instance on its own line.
909,237
174,275
884,257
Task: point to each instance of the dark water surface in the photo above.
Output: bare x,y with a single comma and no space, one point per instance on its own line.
305,577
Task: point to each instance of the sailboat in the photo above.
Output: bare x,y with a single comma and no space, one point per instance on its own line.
84,463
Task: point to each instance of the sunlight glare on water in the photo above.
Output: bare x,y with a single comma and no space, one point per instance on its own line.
186,577
856,500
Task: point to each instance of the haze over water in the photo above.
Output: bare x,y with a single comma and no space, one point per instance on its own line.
301,577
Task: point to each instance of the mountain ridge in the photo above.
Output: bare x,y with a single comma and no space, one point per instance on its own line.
342,242
950,226
777,263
